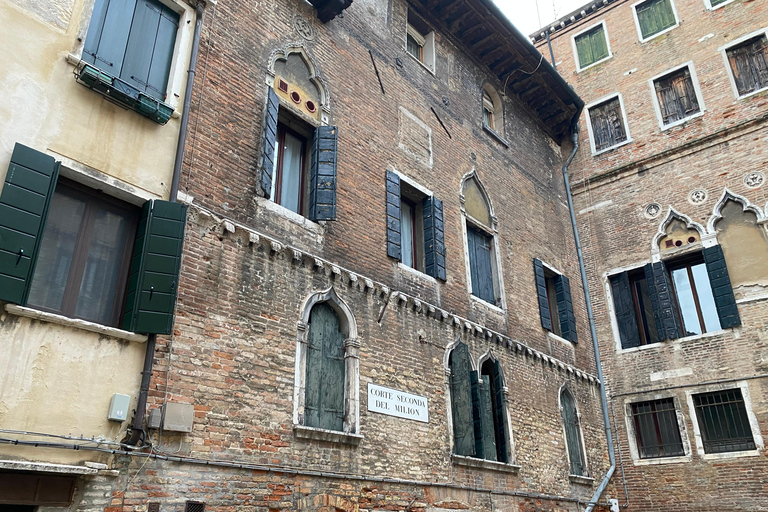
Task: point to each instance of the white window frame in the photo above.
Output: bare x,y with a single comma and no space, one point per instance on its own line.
579,69
637,21
696,87
708,5
427,42
600,101
724,52
632,433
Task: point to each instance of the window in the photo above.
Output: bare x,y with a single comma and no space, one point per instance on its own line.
70,250
713,4
656,429
573,441
289,175
415,233
479,245
749,65
723,422
420,41
607,124
591,46
654,17
493,112
488,109
676,96
696,302
555,302
633,306
324,402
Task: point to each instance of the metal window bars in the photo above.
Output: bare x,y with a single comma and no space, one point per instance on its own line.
723,422
656,429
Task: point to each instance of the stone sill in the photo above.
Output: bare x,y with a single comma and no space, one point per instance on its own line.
331,436
39,467
583,480
461,460
74,323
495,135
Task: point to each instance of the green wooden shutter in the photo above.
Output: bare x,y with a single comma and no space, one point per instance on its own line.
324,385
584,50
24,203
572,432
434,237
665,309
393,216
477,414
322,176
461,402
268,142
722,291
107,36
565,309
488,425
625,311
599,43
499,414
541,293
155,265
655,16
480,265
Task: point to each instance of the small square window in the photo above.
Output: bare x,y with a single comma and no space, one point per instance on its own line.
676,96
420,41
723,421
656,429
607,125
749,65
591,46
654,17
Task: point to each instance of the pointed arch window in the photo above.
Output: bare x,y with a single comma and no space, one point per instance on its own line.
324,400
573,439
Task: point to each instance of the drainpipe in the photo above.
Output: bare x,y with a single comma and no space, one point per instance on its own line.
590,314
137,429
551,53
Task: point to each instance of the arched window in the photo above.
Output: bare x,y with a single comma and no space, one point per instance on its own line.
493,115
494,415
573,441
324,400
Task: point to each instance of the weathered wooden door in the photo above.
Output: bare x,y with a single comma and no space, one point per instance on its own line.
324,399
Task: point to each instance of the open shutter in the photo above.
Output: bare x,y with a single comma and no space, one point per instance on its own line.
541,293
477,414
722,291
24,203
663,300
565,309
434,238
107,37
268,141
461,402
393,216
625,311
322,176
155,265
486,410
499,414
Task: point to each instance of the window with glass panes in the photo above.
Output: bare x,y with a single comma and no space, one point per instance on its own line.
723,421
289,173
677,96
607,121
655,16
591,46
656,429
715,3
487,110
749,65
693,291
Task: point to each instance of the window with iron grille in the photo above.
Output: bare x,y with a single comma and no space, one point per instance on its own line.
749,65
723,421
677,96
194,506
607,122
655,16
591,46
656,429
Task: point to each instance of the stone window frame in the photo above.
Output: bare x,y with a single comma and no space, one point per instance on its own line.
708,4
632,435
348,325
582,442
696,88
600,101
177,74
497,113
637,22
579,69
550,334
729,71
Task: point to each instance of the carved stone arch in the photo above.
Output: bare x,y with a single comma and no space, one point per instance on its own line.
347,323
473,175
746,205
447,355
565,388
282,54
490,356
673,215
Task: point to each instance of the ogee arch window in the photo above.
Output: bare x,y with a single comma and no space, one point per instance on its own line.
324,401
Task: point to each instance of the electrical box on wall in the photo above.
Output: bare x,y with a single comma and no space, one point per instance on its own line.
155,419
178,417
118,407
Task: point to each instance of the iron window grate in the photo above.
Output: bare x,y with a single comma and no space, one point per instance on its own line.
656,429
194,506
723,422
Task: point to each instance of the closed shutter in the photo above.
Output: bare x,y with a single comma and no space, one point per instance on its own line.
665,309
394,249
489,426
572,433
591,47
24,203
625,311
480,265
477,414
461,402
322,176
268,142
324,385
565,309
499,414
584,50
155,265
541,293
655,16
108,33
722,291
434,237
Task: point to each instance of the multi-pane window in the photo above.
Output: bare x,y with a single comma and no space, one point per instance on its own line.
290,166
749,65
412,234
420,41
655,16
723,421
607,123
572,433
324,385
488,109
676,95
656,429
591,46
694,296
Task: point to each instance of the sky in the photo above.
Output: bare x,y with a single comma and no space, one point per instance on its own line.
528,19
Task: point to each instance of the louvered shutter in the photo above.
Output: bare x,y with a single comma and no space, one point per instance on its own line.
155,264
499,414
107,36
477,414
663,300
461,402
722,291
24,203
324,384
565,309
488,424
322,176
625,311
541,293
268,142
393,216
434,237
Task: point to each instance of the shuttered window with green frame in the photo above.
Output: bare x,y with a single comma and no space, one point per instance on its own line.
655,16
592,46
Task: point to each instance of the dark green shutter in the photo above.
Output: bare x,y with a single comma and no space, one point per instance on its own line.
572,432
722,291
477,414
565,309
108,33
393,216
461,402
322,175
655,16
625,311
155,265
488,425
584,50
499,414
434,237
24,203
665,308
591,47
324,385
480,265
541,293
268,141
